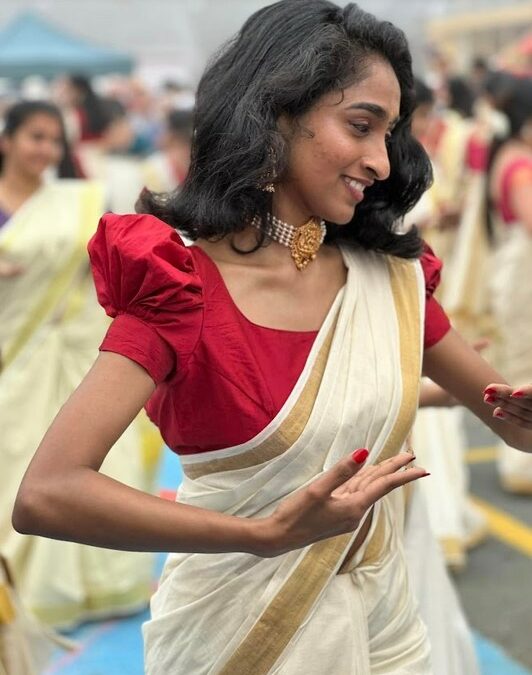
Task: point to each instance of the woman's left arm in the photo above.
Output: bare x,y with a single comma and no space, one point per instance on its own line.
506,409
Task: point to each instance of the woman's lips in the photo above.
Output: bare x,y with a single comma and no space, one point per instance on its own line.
355,188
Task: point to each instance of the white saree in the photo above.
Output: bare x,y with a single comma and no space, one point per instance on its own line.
50,327
315,610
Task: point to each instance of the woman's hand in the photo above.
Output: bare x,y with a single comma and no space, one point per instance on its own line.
512,404
336,502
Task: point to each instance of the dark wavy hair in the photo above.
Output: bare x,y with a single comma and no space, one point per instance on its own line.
461,96
19,113
284,59
96,115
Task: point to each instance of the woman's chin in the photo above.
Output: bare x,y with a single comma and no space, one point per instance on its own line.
341,217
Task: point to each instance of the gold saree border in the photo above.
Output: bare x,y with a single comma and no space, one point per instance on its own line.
282,438
264,644
60,283
404,285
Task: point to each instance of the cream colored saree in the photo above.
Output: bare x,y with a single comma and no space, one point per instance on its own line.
50,327
315,610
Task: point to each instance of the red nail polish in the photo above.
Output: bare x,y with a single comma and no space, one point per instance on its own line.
489,398
490,391
425,474
518,394
360,456
499,413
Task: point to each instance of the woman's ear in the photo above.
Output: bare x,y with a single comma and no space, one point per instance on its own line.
285,126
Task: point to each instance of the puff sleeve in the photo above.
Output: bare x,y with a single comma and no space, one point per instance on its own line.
437,323
146,280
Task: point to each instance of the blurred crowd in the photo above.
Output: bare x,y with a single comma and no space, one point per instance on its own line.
65,160
123,134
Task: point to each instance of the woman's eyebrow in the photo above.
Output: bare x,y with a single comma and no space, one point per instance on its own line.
375,109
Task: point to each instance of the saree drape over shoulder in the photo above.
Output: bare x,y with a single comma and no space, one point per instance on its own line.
50,329
314,610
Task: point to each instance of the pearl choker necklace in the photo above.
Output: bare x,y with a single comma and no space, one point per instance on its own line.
303,241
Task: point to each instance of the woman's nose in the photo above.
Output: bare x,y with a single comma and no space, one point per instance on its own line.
376,162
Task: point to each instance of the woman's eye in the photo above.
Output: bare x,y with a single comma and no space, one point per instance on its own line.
361,128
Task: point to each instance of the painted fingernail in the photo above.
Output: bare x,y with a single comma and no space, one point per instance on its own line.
360,456
425,474
488,398
490,391
518,394
500,413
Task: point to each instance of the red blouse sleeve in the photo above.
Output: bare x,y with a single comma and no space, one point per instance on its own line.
146,280
437,323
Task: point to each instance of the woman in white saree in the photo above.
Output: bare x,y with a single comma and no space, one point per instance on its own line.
266,358
510,185
50,328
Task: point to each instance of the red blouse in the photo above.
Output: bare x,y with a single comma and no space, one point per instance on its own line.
517,165
220,378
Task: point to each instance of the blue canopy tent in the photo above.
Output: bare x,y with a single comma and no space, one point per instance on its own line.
32,46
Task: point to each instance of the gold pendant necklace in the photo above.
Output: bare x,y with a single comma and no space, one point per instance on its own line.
303,241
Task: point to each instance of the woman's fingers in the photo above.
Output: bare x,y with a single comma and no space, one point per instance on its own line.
339,474
523,392
389,466
512,404
382,485
366,475
518,411
521,419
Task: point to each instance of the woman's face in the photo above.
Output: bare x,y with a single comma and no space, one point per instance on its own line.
35,146
339,148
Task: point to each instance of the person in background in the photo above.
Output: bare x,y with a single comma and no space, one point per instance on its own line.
438,435
79,96
281,356
50,328
144,117
108,158
480,71
167,169
510,209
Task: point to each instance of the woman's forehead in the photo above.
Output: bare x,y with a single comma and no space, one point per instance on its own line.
377,92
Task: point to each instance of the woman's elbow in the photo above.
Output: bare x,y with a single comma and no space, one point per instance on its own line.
32,509
25,511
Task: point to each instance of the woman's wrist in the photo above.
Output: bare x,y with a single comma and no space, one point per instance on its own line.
262,537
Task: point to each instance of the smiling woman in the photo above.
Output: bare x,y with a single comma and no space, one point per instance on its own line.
256,105
265,374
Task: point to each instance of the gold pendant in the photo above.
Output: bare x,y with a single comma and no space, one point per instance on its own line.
305,243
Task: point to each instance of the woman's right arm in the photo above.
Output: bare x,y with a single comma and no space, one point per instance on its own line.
63,495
